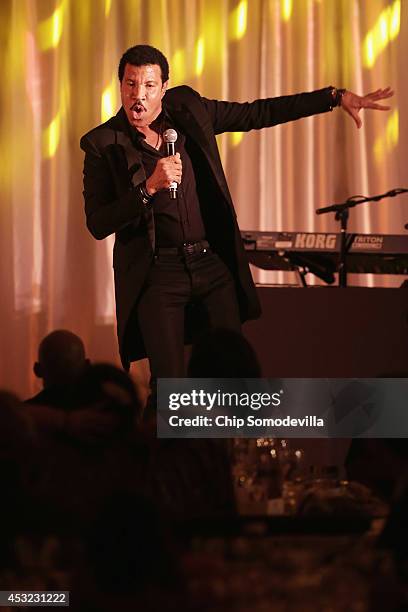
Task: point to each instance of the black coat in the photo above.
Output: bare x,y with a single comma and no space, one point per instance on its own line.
113,169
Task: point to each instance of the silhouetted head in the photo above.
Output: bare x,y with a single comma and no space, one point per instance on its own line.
223,353
61,358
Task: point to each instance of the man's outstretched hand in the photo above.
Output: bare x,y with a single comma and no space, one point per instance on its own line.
352,103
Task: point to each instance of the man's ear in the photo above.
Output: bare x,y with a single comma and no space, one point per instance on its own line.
164,87
37,369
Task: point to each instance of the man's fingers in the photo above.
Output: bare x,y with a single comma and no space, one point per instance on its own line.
176,159
377,106
175,170
354,114
353,103
382,97
380,94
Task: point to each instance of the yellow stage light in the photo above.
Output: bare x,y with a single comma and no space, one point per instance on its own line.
392,130
286,9
200,55
106,104
178,67
50,30
109,100
369,50
51,137
386,142
238,20
395,19
236,138
384,30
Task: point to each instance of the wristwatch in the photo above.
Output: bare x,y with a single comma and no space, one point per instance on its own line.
336,95
145,195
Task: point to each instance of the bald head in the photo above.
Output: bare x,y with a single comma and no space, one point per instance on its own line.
61,358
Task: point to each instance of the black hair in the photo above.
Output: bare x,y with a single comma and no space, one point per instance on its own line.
141,55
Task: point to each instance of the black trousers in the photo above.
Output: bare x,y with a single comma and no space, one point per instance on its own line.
174,283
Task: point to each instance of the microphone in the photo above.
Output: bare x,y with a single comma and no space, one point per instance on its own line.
170,137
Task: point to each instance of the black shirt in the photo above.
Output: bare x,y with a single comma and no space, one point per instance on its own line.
176,221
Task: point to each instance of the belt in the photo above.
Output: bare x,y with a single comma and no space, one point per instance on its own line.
188,248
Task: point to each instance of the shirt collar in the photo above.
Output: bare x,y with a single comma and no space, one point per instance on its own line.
161,123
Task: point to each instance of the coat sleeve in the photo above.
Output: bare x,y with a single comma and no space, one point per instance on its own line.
242,117
106,213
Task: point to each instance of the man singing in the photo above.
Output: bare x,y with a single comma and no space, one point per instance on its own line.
178,258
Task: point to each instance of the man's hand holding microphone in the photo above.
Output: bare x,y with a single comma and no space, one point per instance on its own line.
168,170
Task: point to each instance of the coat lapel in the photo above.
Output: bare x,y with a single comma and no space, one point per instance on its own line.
191,127
134,164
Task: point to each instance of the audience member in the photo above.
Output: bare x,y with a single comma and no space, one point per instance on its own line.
18,450
94,448
61,360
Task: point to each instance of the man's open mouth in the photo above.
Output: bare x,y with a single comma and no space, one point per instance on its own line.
138,108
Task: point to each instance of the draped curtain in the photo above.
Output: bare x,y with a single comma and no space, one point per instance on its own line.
59,80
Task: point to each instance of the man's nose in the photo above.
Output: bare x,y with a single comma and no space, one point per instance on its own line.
138,92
